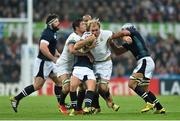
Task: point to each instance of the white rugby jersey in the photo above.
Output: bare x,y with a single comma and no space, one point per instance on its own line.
65,55
102,51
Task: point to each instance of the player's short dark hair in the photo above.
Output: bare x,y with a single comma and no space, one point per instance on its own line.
76,23
50,17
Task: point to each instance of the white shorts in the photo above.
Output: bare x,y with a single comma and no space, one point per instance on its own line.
43,68
63,67
145,66
104,69
81,72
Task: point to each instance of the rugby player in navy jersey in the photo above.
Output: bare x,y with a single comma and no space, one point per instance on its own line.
44,66
83,73
140,78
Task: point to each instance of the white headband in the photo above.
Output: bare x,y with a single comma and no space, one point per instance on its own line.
52,21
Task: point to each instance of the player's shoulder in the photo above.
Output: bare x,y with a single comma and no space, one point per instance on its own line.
47,30
47,33
73,35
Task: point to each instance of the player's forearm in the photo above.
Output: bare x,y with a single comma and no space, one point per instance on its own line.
45,51
80,44
120,34
118,50
73,51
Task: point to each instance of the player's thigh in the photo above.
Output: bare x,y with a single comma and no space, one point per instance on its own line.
143,72
41,72
103,69
63,69
145,66
91,84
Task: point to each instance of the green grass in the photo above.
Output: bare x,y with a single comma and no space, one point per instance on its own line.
45,108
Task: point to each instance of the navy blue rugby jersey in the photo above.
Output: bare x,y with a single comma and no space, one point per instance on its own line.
137,47
50,36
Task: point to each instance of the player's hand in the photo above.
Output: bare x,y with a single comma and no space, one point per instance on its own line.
93,45
91,38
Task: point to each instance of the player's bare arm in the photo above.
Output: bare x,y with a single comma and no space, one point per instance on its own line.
88,41
120,34
118,50
45,50
72,50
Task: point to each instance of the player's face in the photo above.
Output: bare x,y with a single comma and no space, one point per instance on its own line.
82,27
56,24
95,29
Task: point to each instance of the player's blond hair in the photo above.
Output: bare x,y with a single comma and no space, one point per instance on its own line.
92,22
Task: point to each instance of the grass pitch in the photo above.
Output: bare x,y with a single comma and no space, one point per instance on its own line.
45,108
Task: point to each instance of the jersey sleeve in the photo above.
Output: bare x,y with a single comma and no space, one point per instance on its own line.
46,36
71,42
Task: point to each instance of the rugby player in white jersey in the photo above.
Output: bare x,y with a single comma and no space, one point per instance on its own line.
82,87
66,60
103,62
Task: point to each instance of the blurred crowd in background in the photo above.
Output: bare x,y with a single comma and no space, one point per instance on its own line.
165,52
106,10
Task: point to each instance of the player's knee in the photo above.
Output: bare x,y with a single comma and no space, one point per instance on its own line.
37,86
38,83
73,88
132,84
59,82
135,79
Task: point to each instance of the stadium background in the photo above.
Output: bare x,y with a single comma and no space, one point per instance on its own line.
157,20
